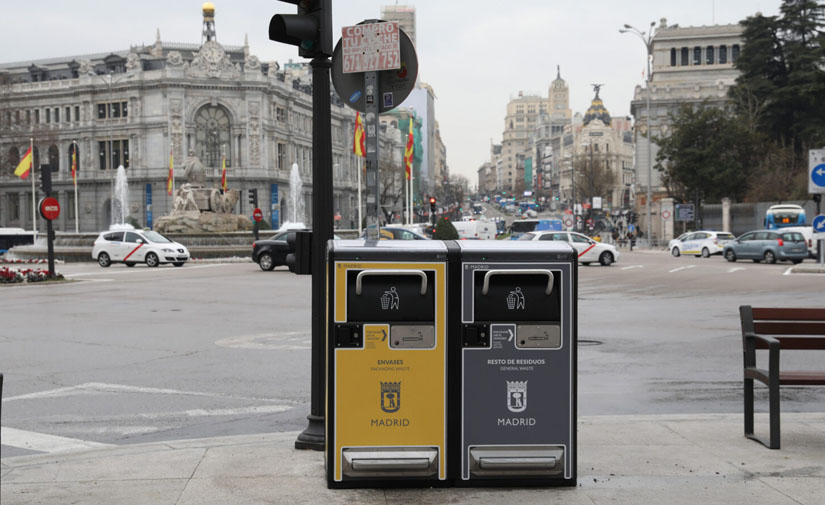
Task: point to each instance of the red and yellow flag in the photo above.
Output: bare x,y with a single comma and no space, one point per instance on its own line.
170,181
74,165
223,173
408,153
25,165
358,140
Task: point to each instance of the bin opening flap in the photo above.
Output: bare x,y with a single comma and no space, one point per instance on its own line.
398,461
523,460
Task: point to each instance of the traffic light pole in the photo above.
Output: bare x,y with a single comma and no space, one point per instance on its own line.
313,436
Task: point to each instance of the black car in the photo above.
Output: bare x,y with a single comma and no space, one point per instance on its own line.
272,252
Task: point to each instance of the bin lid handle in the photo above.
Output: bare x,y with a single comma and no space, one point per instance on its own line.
491,273
365,273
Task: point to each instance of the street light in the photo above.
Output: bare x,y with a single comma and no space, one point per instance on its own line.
647,41
109,82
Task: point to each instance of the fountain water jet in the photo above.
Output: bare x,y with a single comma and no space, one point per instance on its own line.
296,201
120,205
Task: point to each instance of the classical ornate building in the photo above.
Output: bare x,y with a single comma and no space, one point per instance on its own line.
691,65
136,107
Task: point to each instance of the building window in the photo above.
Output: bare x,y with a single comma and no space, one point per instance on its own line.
212,136
68,115
280,114
723,54
13,159
69,205
57,114
77,113
48,116
734,53
282,161
673,57
113,154
709,60
14,207
685,55
697,55
54,158
111,110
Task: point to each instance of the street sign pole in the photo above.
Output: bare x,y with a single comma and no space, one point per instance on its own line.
371,144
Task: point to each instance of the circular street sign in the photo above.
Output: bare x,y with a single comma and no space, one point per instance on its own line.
818,175
665,215
257,215
568,222
49,208
393,85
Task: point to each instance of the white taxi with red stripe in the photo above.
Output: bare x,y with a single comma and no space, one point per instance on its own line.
137,246
589,250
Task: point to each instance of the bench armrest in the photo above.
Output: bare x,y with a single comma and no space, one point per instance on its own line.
773,354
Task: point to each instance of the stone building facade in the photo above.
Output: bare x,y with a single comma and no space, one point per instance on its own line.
139,106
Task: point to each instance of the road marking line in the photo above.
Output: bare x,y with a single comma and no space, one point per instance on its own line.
736,269
45,443
691,266
788,271
676,270
102,388
264,409
633,266
143,271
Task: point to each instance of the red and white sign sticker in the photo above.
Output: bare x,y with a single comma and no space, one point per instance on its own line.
665,215
371,47
257,215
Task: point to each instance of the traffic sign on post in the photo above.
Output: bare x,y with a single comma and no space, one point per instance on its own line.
49,208
816,171
819,227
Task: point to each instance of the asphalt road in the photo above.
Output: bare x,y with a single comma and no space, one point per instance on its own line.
129,355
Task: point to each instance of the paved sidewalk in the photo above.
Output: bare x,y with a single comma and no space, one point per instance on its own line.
622,460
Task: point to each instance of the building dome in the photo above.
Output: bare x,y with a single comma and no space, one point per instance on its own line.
208,9
597,110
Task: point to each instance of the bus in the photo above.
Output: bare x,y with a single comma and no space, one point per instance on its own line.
10,237
521,226
783,216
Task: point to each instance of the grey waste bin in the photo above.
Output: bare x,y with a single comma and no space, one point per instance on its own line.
386,363
517,373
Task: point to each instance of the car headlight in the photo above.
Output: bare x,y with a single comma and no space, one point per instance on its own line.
166,249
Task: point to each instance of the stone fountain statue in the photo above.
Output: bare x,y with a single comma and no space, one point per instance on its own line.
196,208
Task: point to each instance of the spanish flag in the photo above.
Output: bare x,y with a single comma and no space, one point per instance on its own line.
171,180
25,165
408,153
74,165
358,141
223,173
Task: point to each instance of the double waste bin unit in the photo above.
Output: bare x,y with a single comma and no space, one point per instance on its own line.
451,363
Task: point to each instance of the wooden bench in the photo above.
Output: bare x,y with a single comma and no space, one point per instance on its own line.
778,329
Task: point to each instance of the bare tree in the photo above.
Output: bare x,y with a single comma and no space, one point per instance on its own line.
594,177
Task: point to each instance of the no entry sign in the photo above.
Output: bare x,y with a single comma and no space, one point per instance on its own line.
49,208
371,47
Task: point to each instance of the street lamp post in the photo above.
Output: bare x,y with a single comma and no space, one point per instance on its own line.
647,41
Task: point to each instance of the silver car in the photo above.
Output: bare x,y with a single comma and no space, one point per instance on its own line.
768,246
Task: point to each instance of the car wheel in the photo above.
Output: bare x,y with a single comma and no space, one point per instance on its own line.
705,253
675,252
606,259
266,262
586,263
730,255
178,263
152,260
104,260
770,257
130,264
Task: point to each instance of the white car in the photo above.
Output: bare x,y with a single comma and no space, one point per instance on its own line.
700,243
137,246
589,250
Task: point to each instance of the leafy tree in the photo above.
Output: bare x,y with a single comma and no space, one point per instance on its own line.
708,153
444,230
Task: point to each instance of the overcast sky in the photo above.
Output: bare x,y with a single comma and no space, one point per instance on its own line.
476,54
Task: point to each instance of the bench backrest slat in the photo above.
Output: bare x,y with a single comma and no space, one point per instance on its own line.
788,328
796,343
788,314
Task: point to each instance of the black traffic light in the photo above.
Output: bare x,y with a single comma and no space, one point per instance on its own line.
299,256
310,29
253,198
432,204
46,179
